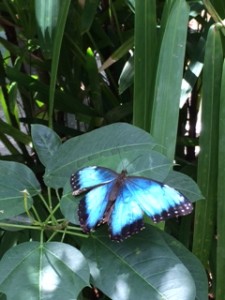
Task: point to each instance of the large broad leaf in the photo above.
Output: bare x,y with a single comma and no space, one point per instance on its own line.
17,182
185,185
49,271
69,205
46,142
114,146
192,264
150,265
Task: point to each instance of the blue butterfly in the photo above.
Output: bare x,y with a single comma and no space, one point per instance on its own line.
121,200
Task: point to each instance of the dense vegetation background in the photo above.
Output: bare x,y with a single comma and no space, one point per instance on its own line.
76,66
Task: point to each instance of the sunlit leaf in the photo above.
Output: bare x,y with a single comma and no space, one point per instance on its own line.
49,271
145,265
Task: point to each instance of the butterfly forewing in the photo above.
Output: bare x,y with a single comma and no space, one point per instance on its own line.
89,177
98,181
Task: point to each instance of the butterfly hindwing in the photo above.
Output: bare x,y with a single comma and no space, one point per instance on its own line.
127,216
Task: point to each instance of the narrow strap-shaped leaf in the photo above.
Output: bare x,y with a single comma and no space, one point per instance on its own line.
14,132
55,55
46,12
94,82
220,292
168,79
205,212
145,41
88,14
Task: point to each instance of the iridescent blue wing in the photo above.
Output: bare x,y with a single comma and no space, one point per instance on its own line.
157,200
98,181
138,195
89,177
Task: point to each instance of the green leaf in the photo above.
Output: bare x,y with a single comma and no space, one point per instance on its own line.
193,70
61,22
145,42
14,132
127,75
205,212
118,53
47,12
185,185
220,266
94,82
17,182
21,219
88,14
49,271
107,146
46,142
193,265
169,77
69,205
67,105
143,265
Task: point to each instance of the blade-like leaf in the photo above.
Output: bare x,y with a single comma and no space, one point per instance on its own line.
68,104
50,271
145,40
47,12
17,182
61,22
205,212
143,266
119,53
94,82
220,294
46,142
14,132
127,75
169,77
88,14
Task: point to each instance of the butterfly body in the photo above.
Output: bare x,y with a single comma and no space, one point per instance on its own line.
121,201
